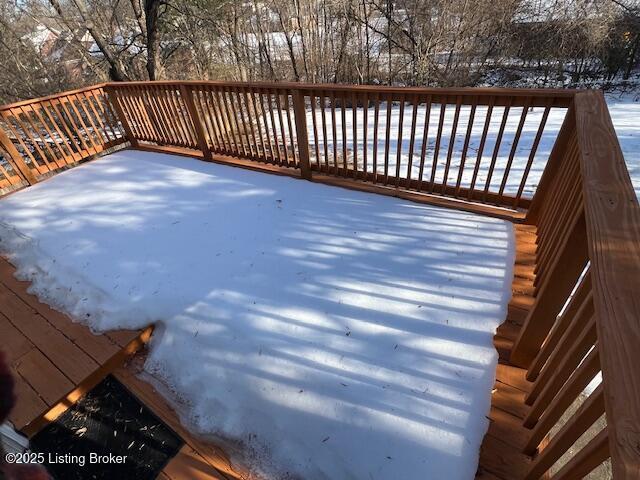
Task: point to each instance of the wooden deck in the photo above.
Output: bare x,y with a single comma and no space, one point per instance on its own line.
54,360
501,454
584,209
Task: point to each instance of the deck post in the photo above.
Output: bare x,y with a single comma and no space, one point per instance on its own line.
198,127
15,159
300,115
114,99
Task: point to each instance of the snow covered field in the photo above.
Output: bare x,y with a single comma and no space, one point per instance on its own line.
336,334
625,112
516,171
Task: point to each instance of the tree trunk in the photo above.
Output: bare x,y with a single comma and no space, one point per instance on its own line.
151,22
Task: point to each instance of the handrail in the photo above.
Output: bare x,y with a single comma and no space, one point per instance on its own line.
562,97
53,96
613,228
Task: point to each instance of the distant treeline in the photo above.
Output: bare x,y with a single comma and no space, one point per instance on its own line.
51,45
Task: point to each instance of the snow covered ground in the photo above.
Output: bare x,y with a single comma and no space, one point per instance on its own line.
336,334
517,169
625,112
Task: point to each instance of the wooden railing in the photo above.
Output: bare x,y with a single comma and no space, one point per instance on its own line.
44,135
586,317
465,146
355,133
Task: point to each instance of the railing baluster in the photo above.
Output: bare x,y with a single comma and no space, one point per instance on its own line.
452,143
343,118
81,108
70,155
354,115
250,117
223,127
582,295
376,121
268,128
412,139
365,134
256,116
287,108
387,139
588,458
138,125
436,150
238,129
312,97
102,133
399,142
274,128
334,131
277,94
539,201
425,141
577,425
325,137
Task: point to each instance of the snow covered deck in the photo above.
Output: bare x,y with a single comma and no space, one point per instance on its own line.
336,334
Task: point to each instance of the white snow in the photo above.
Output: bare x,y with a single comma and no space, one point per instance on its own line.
335,334
625,112
502,154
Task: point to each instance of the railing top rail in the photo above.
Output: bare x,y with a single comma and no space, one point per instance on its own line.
562,97
54,96
526,92
613,231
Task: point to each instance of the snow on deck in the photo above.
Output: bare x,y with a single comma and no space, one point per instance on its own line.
336,334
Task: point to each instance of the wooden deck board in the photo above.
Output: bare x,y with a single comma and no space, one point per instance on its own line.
501,454
66,355
52,358
43,376
99,347
189,464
